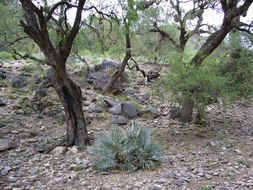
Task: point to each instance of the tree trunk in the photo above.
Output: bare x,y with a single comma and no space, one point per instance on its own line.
187,109
118,74
71,97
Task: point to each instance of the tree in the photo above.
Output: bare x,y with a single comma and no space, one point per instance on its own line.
36,25
183,20
130,8
232,12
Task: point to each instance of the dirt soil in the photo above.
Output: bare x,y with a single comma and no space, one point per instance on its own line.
215,155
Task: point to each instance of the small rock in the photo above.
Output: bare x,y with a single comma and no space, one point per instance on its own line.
119,120
150,113
52,113
6,144
73,150
59,150
111,102
129,91
5,170
116,110
2,102
12,179
212,144
157,187
178,182
98,109
41,92
19,81
223,188
35,171
208,177
141,97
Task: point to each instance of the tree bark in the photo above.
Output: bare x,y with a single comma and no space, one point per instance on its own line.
187,109
71,97
128,55
231,12
36,26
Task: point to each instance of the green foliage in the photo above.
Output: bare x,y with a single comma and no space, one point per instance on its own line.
201,84
4,55
244,163
206,188
239,74
126,150
27,68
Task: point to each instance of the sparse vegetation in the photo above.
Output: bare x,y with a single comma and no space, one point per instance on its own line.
126,150
244,163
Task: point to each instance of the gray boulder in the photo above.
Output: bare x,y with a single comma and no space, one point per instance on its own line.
102,74
129,111
49,81
6,144
19,81
150,113
116,110
111,102
41,92
119,120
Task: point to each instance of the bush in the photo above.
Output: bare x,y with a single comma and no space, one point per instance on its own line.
202,85
4,55
126,150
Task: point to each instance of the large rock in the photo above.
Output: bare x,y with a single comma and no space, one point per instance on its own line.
102,74
41,93
129,111
59,150
119,120
49,81
150,113
116,110
6,144
19,81
4,74
111,102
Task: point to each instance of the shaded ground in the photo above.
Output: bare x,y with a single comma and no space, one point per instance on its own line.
216,156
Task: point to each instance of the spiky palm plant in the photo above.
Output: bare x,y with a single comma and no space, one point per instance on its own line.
126,150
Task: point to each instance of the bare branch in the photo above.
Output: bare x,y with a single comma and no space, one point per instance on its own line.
164,35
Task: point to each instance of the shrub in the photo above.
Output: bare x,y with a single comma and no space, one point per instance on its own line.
126,150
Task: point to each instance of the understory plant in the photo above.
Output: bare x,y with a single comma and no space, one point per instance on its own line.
130,149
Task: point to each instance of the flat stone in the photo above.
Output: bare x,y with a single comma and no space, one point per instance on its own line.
6,144
111,102
116,110
52,113
178,182
5,170
129,111
119,120
59,150
73,150
19,81
157,187
41,92
150,113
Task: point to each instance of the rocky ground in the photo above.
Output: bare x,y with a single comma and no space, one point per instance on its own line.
216,155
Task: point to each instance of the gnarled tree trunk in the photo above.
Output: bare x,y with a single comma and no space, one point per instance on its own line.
231,14
187,109
71,97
